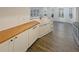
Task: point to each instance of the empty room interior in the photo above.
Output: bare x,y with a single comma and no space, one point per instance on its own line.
39,29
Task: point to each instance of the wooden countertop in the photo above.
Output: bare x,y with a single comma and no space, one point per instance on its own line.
9,33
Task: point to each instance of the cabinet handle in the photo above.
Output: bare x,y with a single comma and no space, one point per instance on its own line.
11,40
34,27
44,24
16,37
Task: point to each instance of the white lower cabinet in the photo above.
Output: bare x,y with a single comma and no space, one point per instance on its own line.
48,29
19,43
44,29
11,44
24,40
33,35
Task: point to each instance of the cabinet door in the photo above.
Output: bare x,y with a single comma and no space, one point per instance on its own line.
4,47
11,44
51,25
33,35
41,30
21,42
49,28
44,29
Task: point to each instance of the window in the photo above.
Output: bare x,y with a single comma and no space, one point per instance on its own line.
35,12
61,12
70,13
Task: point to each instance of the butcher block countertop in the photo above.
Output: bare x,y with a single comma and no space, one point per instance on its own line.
11,32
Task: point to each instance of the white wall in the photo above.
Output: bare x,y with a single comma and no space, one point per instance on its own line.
10,17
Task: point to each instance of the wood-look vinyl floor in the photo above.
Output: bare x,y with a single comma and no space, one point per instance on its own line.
60,40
